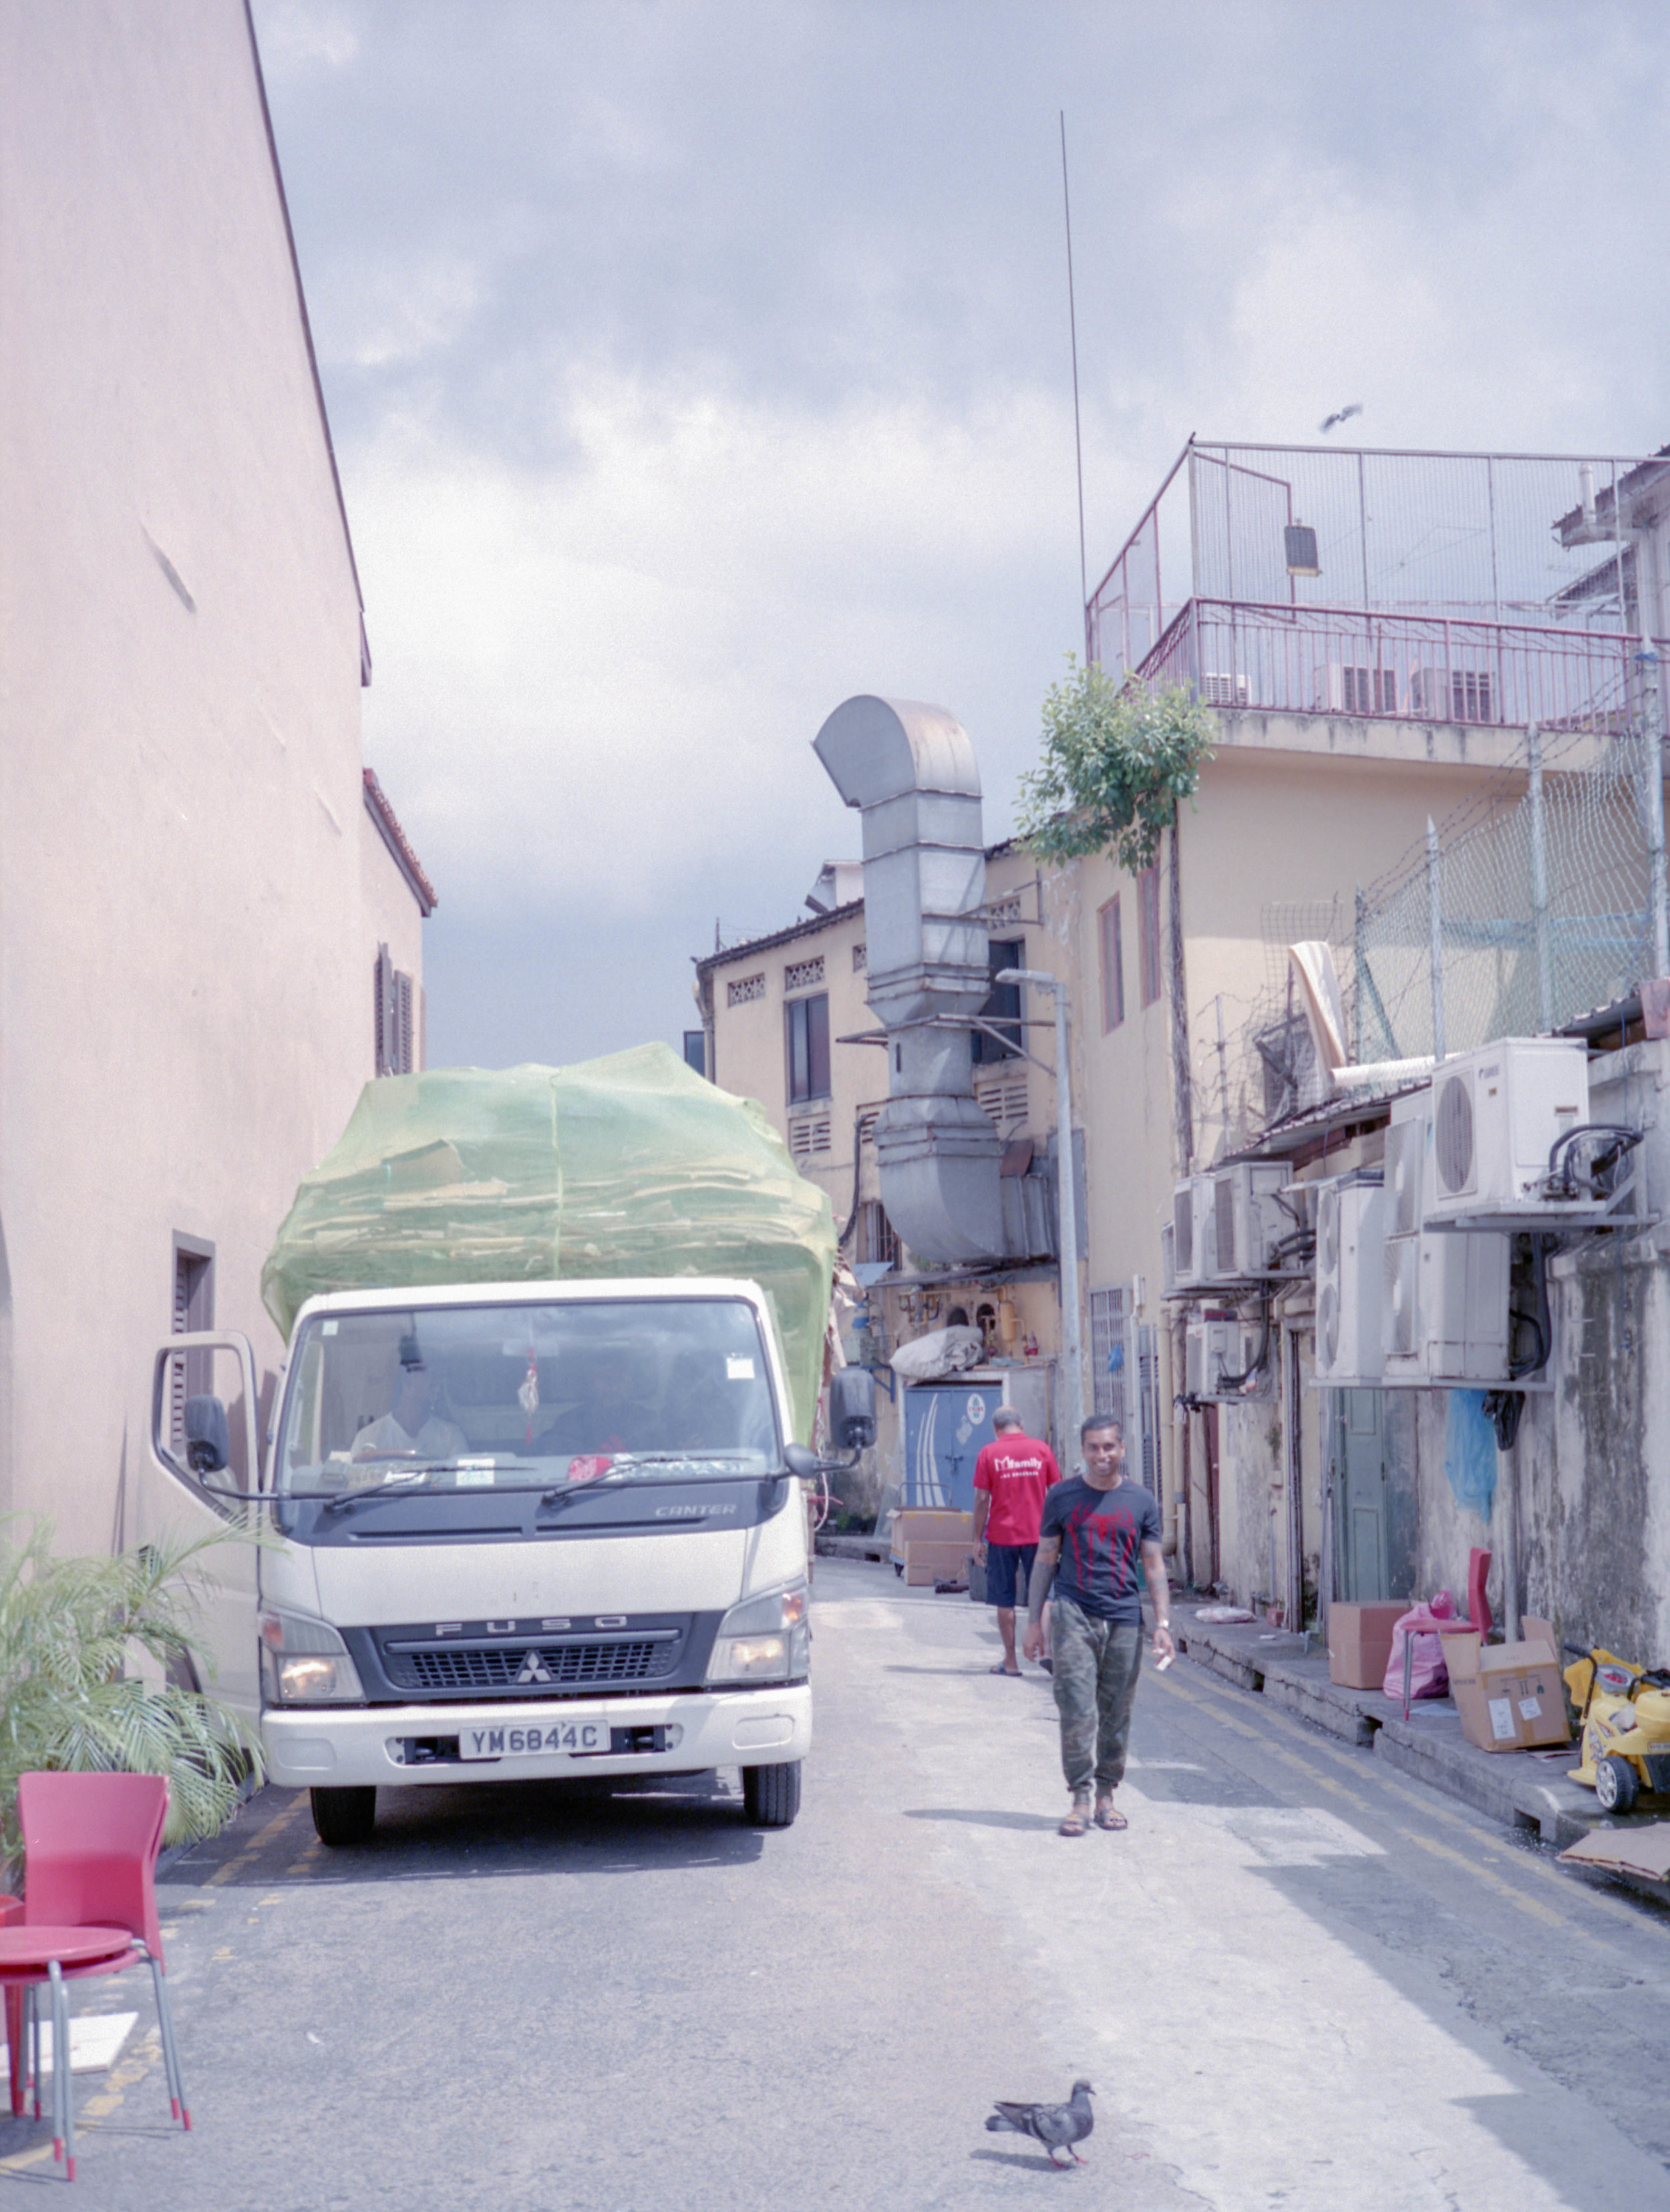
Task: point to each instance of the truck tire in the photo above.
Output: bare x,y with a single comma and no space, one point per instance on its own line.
344,1817
1615,1784
771,1794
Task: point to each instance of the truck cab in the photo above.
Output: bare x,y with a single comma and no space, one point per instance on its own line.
530,1531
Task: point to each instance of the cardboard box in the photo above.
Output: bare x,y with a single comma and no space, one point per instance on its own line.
935,1563
923,1524
1510,1695
1360,1642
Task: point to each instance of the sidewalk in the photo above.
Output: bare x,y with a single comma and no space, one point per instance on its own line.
1520,1788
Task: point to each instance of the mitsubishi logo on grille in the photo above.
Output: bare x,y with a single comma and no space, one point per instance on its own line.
534,1668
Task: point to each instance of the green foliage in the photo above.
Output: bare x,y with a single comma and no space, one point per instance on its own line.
72,1632
1117,759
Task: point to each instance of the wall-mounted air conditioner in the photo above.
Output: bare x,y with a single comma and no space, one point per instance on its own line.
1407,1143
1496,1114
1444,1309
1351,1238
1222,689
1193,1232
1345,690
1253,1212
1220,1361
1451,694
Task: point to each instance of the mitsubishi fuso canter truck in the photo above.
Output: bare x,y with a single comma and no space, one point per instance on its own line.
532,1526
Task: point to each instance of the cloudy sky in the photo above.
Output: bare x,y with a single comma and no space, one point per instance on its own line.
694,364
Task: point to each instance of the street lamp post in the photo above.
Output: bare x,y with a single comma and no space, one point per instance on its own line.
1073,1396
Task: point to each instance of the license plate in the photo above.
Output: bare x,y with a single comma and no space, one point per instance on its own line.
536,1740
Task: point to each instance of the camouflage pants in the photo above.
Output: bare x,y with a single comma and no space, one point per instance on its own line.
1097,1666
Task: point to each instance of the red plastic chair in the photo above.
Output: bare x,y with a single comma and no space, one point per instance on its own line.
90,1846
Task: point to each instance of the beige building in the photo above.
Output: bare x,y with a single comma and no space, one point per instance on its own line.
1366,676
210,922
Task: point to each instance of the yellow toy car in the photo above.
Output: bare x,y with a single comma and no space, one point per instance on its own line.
1624,1713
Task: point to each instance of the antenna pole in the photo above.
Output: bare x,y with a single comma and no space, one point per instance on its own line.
1078,438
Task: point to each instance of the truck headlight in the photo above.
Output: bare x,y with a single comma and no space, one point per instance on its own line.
766,1638
306,1662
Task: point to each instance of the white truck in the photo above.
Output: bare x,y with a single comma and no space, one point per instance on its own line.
533,1462
529,1531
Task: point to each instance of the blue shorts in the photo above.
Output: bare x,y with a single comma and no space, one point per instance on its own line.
1008,1565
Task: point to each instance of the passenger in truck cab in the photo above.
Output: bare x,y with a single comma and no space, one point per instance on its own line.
410,1428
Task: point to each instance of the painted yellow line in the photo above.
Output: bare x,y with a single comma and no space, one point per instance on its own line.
1429,1802
1544,1913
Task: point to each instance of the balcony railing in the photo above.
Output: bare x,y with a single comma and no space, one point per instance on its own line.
1340,660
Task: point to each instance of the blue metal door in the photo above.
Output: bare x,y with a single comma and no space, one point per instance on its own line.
945,1425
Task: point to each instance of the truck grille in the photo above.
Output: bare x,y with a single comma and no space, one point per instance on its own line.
534,1666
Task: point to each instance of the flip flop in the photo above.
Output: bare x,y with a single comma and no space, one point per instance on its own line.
1013,1673
1108,1816
1077,1821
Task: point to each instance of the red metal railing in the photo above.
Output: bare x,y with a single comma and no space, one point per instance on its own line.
1340,660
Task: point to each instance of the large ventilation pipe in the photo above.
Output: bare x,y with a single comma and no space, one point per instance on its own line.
910,770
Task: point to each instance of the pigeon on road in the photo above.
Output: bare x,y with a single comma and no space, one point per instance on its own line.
1057,2127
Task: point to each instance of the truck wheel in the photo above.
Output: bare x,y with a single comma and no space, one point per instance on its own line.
771,1794
1615,1784
344,1817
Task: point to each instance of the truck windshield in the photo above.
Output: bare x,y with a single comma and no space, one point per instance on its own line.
525,1396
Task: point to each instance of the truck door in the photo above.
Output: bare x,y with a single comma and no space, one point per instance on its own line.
204,1444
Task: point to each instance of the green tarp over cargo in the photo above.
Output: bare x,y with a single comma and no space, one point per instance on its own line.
630,1165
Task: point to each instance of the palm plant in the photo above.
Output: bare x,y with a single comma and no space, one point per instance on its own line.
86,1644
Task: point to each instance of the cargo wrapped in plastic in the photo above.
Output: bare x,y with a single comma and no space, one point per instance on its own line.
629,1165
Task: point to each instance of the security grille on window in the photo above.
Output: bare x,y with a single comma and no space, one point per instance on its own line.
804,974
189,1373
746,990
1113,967
1107,1351
394,1011
876,1238
860,954
807,1023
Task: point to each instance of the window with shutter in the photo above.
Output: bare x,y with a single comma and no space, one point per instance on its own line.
189,1374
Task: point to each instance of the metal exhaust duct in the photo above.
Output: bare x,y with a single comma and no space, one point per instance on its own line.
910,770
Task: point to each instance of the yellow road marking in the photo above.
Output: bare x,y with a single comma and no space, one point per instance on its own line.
1546,1913
1427,1803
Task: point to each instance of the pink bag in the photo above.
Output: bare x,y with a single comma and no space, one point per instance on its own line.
1429,1677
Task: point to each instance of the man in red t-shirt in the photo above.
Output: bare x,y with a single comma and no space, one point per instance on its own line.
1012,1474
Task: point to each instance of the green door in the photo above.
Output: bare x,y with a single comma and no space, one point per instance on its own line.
1372,1472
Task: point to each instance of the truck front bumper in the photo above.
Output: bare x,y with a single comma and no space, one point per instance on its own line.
351,1746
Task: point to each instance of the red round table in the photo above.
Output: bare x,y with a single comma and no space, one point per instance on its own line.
28,1952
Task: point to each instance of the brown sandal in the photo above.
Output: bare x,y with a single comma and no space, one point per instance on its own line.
1108,1816
1078,1820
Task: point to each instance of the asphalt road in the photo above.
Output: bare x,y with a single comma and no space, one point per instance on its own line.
1298,1981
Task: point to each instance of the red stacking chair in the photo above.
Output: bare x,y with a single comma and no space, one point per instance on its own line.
90,1846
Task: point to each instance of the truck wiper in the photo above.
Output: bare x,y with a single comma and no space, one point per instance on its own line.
630,1462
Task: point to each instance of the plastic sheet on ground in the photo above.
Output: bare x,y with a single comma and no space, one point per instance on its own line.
631,1165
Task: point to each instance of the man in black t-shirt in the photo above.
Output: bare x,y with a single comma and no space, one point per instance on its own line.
1099,1540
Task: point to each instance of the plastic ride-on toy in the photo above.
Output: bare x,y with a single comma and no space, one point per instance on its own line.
1624,1713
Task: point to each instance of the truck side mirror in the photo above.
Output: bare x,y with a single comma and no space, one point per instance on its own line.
853,1408
208,1437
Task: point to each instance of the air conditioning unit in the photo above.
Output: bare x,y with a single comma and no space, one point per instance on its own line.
1222,691
1345,690
1216,1347
1451,694
1251,1215
1193,1239
1496,1113
1444,1309
1351,1237
1407,1143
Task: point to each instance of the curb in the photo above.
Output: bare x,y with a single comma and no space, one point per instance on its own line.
1515,1789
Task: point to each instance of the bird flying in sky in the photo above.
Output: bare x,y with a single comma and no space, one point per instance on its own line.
1343,415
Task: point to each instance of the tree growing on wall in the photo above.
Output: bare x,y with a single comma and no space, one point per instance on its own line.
1117,759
